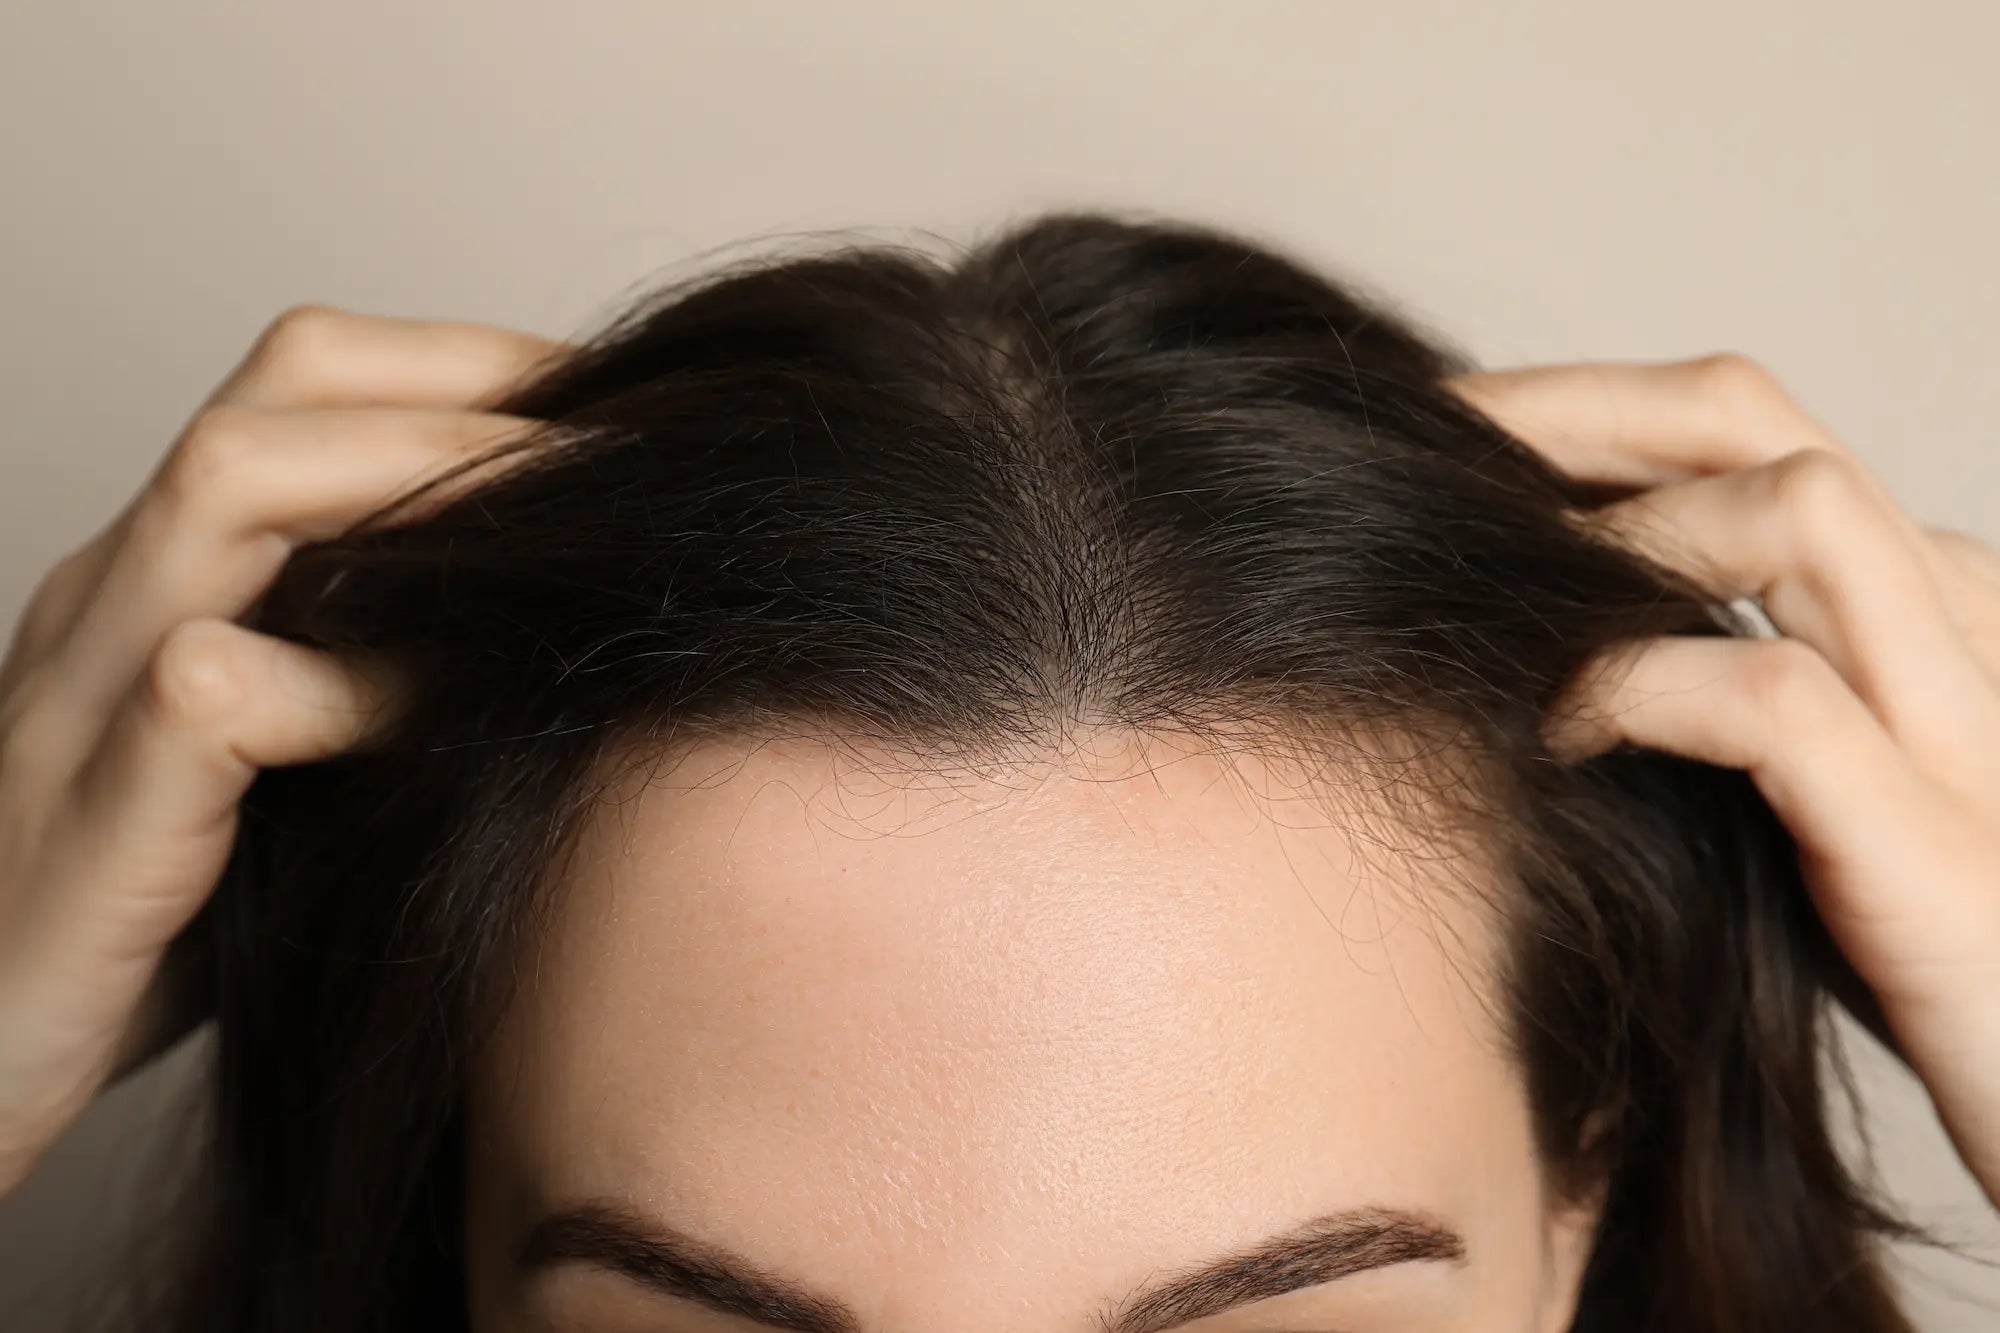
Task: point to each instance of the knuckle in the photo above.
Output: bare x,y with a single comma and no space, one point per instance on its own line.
21,746
1738,381
300,332
216,446
195,676
67,568
37,741
291,353
54,596
1825,498
1788,681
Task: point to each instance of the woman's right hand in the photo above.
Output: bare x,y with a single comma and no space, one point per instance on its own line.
134,711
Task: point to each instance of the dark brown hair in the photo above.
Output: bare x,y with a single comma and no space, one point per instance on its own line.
1095,468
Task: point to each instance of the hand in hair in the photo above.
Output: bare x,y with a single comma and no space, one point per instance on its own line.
1872,725
134,711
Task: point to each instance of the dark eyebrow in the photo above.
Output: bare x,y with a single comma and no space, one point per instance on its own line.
1324,1249
675,1264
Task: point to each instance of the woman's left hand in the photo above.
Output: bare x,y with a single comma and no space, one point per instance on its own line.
1872,725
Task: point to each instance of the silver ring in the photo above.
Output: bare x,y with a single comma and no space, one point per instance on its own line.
1745,617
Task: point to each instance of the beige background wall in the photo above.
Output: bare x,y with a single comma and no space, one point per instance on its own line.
1809,182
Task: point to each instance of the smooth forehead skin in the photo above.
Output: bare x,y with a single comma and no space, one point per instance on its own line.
991,1054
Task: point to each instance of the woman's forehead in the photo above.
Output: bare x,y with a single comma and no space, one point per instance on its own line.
769,942
1019,898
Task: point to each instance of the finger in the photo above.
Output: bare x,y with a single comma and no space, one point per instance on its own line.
239,493
324,356
1626,423
313,356
1640,424
1820,550
151,814
1849,794
1774,708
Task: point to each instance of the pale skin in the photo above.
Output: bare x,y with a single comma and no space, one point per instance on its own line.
1166,1065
